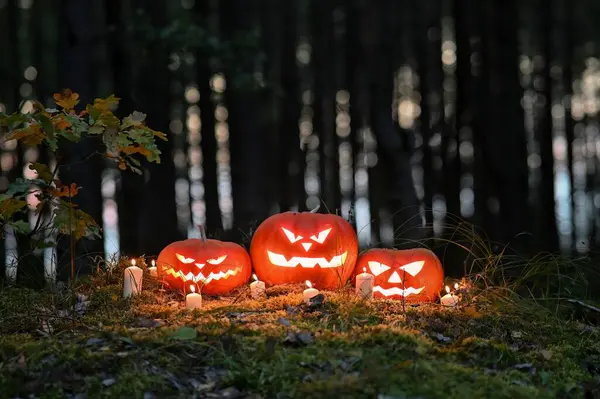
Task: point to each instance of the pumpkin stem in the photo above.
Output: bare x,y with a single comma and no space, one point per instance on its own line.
316,209
202,232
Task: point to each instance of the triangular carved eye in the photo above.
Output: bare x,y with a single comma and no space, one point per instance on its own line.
320,238
185,260
291,236
377,268
413,268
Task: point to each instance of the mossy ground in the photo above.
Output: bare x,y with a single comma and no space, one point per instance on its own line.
279,347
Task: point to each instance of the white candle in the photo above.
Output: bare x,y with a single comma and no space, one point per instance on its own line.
257,288
152,269
449,299
364,285
309,292
132,282
193,300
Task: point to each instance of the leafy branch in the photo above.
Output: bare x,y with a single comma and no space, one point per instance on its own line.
124,142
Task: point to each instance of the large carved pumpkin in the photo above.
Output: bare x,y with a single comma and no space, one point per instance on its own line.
215,267
414,275
293,247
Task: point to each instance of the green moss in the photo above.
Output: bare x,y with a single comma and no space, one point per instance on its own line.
348,348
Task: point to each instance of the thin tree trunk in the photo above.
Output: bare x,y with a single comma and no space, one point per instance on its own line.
83,168
482,217
208,143
354,75
505,132
568,45
547,217
395,144
248,169
324,104
152,96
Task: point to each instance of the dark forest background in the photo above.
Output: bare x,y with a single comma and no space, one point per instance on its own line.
408,118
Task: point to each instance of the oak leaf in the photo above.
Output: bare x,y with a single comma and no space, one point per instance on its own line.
60,123
10,206
32,135
43,171
66,99
131,149
105,104
64,190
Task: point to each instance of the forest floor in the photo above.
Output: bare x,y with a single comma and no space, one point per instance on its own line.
106,346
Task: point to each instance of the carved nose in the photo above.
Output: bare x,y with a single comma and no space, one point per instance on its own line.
307,245
395,278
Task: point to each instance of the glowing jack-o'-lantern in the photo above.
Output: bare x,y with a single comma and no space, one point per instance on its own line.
216,267
413,275
293,247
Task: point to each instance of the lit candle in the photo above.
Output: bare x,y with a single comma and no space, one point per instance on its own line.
132,282
309,292
364,284
257,288
449,299
193,300
152,269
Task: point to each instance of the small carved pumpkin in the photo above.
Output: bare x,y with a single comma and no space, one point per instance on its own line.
293,247
216,267
413,275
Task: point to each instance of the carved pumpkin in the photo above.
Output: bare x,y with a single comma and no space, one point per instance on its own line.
216,267
293,247
414,275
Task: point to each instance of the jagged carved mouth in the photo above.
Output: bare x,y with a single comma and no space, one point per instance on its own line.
397,291
199,277
280,260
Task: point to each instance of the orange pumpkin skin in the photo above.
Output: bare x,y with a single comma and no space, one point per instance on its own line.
293,247
222,266
413,275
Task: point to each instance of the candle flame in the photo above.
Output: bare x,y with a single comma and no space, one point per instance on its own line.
192,288
447,289
254,277
364,269
133,262
455,286
153,262
309,284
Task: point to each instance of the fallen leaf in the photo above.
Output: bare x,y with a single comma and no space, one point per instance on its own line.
527,367
442,338
94,341
127,340
148,323
203,387
285,322
184,334
546,354
472,312
305,337
108,382
291,310
300,338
